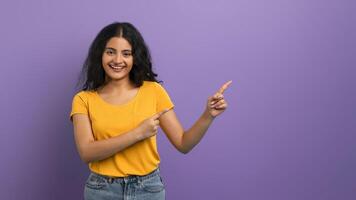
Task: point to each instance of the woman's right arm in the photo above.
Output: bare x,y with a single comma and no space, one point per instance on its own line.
91,150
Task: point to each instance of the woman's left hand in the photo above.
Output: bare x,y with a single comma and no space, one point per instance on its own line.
217,104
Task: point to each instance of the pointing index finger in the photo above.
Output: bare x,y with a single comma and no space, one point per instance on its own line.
224,87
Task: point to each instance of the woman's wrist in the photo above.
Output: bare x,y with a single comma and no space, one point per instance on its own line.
138,134
207,116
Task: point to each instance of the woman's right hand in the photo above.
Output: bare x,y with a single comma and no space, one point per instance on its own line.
149,127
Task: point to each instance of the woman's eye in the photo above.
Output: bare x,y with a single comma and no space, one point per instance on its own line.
109,52
126,54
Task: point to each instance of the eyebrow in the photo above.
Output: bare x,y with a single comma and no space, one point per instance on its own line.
110,48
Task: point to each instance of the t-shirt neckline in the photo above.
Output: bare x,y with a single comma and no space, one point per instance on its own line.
120,105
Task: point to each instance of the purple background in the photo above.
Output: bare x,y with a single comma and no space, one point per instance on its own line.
289,131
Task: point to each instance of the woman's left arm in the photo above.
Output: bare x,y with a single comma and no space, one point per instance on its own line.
184,141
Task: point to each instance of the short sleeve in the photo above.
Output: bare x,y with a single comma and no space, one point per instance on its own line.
163,99
79,105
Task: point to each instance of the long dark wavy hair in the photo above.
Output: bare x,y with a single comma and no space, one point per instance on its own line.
92,75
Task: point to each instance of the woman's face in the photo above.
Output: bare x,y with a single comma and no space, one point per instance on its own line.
117,59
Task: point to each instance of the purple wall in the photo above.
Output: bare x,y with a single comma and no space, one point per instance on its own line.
289,132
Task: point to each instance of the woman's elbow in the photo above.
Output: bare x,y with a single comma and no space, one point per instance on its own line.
83,154
183,150
84,158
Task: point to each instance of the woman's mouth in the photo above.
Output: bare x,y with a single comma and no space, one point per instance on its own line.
116,68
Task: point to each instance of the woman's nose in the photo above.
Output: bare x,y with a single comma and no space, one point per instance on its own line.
118,58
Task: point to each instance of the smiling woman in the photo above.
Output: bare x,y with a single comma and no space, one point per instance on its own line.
117,114
117,59
117,45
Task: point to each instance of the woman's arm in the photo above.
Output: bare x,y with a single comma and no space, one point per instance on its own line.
91,150
184,141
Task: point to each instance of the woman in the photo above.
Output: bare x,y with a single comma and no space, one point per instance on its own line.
117,114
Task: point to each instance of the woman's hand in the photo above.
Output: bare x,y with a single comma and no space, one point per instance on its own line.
149,126
217,104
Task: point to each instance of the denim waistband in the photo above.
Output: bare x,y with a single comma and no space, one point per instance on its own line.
130,178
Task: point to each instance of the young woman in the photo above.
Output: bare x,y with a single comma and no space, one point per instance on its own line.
117,114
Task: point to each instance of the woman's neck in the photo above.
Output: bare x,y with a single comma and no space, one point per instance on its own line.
117,86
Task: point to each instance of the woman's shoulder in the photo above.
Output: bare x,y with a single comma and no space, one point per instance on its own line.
154,87
150,85
85,94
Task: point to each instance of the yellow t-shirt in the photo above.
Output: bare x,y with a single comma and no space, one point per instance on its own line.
108,120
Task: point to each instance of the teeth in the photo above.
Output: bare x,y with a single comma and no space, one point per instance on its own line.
115,67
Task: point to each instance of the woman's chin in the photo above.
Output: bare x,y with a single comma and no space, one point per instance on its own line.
117,77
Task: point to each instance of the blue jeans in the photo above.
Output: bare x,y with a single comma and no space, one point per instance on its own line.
146,187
